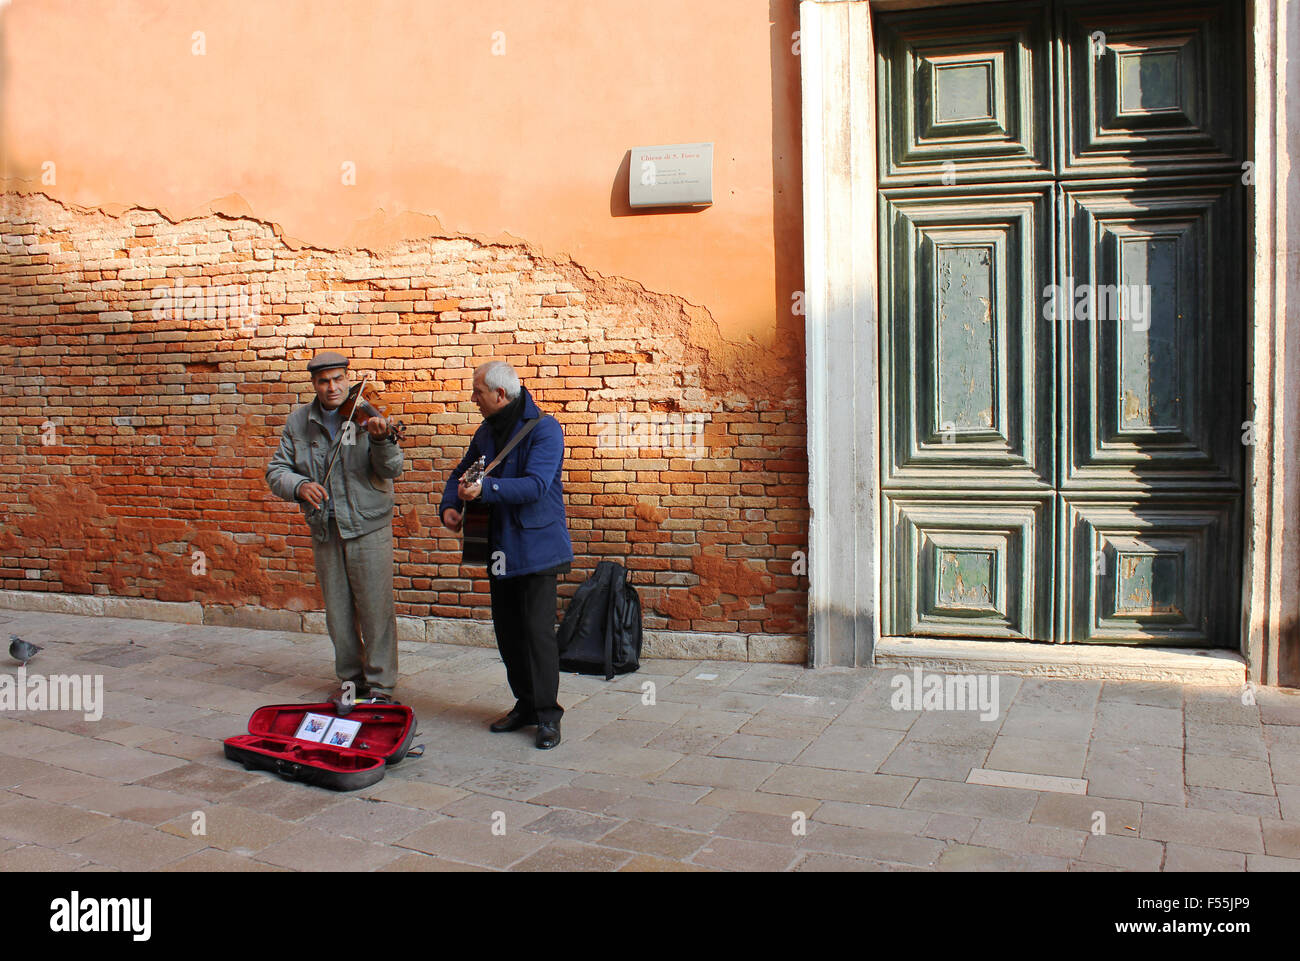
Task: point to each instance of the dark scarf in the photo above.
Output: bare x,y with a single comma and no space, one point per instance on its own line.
502,423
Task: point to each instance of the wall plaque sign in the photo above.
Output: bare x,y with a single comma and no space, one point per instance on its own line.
671,175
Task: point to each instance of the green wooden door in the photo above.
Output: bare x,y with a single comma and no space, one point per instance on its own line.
1062,321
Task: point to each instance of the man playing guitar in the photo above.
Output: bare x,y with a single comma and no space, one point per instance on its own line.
527,539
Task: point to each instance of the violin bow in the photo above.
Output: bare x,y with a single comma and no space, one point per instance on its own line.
368,378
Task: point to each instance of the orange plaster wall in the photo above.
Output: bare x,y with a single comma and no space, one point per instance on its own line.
447,138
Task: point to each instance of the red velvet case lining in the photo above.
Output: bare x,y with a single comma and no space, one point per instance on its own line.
384,728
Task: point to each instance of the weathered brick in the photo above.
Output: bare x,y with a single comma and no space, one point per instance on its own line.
168,420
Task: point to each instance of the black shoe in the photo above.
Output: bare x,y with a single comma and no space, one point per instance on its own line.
512,722
380,698
548,735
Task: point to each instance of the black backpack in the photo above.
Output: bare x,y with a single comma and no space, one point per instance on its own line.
601,630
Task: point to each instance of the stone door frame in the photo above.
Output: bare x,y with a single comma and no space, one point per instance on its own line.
838,69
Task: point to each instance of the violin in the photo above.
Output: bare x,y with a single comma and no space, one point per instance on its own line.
358,411
362,410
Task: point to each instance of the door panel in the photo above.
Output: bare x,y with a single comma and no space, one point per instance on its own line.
1146,87
1151,338
966,95
1151,571
970,568
970,396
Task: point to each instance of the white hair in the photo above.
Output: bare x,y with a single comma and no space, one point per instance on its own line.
498,374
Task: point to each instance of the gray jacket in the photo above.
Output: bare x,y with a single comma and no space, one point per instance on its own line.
361,486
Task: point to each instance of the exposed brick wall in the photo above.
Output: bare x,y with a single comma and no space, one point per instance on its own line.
162,427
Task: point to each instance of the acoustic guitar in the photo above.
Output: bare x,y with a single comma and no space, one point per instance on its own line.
475,515
475,521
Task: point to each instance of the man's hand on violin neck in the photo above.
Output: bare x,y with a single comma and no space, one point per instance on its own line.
377,426
313,493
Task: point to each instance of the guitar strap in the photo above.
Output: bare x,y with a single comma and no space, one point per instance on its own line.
523,432
520,435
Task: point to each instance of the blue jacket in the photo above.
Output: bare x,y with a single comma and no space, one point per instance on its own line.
525,493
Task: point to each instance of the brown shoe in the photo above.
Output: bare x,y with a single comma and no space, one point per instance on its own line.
343,702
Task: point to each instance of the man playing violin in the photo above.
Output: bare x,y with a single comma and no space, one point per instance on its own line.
342,478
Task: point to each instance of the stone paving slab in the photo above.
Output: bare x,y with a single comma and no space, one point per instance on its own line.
55,825
1232,740
731,855
759,802
367,820
1112,816
1050,723
768,828
678,814
1143,692
1189,857
1133,854
973,800
485,807
217,861
232,828
1140,723
875,817
949,827
720,772
730,767
971,857
317,851
572,825
1228,832
1285,767
847,748
829,785
1233,802
922,759
61,786
874,845
35,857
1288,799
1034,756
826,863
105,759
941,727
1228,773
644,838
128,846
635,787
1023,836
572,856
138,803
755,747
1142,772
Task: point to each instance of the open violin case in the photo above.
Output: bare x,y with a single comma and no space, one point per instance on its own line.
385,737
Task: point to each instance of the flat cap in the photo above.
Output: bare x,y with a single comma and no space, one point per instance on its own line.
326,359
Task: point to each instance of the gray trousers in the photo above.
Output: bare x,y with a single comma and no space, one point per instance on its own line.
356,577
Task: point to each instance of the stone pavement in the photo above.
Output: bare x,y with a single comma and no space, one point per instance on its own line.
735,766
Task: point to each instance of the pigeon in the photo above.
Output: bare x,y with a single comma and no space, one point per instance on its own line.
20,650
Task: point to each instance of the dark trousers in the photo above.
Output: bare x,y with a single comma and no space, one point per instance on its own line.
523,615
